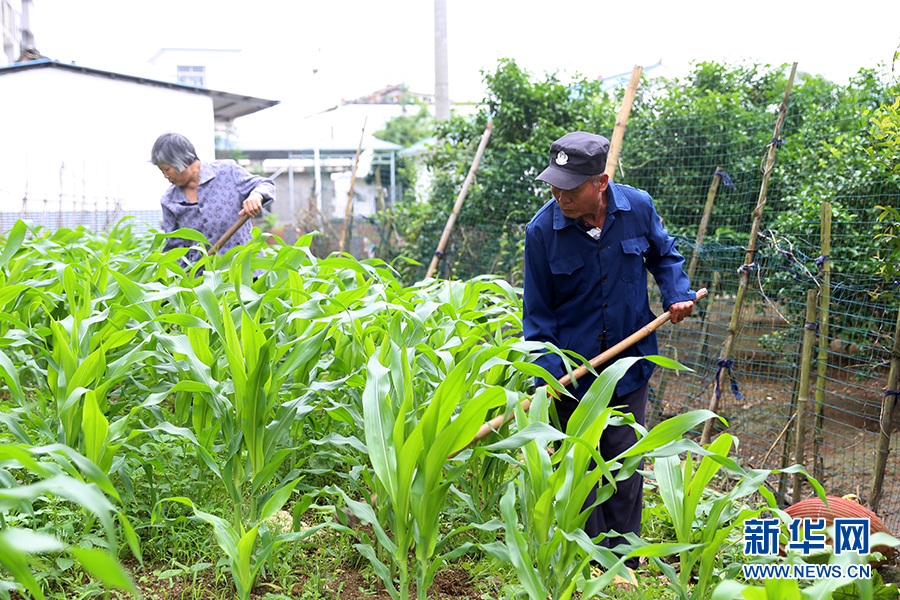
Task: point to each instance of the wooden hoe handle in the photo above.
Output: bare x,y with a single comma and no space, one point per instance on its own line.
595,362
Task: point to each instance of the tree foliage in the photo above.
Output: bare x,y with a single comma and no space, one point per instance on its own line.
679,131
410,127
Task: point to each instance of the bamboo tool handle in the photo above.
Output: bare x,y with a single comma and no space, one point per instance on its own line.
240,223
227,235
598,360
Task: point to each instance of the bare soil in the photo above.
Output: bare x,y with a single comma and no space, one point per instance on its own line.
343,582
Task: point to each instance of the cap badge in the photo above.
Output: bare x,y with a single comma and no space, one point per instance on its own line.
562,158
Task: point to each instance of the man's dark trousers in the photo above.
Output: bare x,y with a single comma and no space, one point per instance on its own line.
622,511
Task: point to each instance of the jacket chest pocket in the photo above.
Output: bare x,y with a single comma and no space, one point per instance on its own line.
568,277
633,258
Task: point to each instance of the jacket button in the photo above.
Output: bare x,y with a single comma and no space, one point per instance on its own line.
601,336
605,277
601,246
605,306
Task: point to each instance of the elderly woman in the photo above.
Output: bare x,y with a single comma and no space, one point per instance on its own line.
206,196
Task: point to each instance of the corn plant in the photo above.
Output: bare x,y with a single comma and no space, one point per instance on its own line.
408,452
551,552
445,358
56,471
247,548
681,487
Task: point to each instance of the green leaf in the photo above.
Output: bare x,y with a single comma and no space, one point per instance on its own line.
517,546
380,569
94,426
15,562
13,242
102,565
274,504
11,376
182,320
379,425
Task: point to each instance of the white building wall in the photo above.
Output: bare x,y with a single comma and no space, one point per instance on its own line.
75,142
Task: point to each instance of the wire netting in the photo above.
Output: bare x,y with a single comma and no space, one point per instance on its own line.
818,160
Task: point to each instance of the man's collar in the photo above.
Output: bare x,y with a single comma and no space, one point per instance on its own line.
615,201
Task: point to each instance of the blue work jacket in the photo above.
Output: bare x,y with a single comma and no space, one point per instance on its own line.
587,295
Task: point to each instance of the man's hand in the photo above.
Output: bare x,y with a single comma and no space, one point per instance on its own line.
680,310
252,205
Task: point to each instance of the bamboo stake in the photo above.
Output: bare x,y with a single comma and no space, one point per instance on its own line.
615,144
781,491
595,362
822,366
352,183
809,337
451,220
888,407
735,323
704,222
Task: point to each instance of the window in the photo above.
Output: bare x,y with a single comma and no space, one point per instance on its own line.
9,21
195,76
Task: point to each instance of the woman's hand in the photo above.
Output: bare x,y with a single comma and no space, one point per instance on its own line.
252,205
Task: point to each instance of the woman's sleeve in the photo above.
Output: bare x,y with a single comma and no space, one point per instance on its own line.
245,183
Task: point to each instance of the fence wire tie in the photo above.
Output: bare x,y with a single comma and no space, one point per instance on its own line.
746,268
438,252
791,261
726,364
820,262
726,180
812,326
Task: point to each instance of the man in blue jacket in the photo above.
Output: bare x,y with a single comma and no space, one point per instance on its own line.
587,253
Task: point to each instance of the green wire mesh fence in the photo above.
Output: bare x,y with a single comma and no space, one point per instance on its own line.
819,159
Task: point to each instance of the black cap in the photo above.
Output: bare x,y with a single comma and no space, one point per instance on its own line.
573,158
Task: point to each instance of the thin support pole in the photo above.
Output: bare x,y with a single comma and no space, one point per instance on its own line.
352,183
291,187
393,178
781,491
704,222
822,365
451,220
888,407
315,201
735,323
809,338
615,144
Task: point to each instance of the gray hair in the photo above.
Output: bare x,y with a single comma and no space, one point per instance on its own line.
175,150
595,179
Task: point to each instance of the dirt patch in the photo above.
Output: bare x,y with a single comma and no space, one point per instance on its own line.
344,583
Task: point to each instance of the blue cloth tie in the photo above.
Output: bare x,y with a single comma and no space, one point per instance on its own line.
726,364
727,180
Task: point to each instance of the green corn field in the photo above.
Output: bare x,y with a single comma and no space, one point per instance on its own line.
255,438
